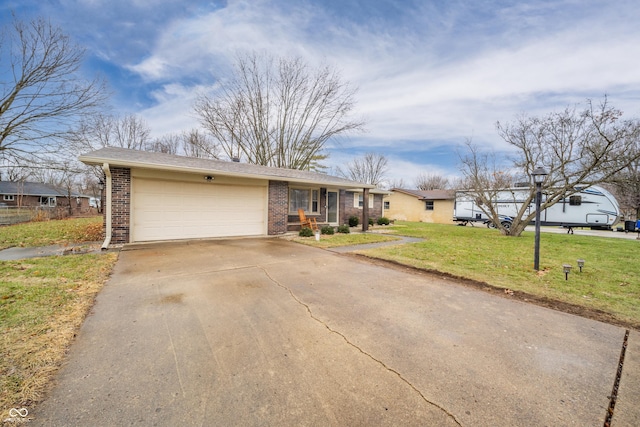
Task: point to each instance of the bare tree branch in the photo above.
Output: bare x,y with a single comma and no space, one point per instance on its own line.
578,149
431,181
42,95
278,112
370,169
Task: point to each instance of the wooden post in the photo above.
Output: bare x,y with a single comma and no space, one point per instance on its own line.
365,209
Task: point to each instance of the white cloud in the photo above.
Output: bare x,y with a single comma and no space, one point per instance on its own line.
417,85
173,110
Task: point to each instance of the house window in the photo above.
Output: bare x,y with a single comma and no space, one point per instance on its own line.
357,200
306,199
8,198
386,205
47,201
428,205
575,200
314,200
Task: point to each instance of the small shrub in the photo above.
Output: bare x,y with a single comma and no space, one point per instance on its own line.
344,228
327,230
371,221
354,221
383,221
306,232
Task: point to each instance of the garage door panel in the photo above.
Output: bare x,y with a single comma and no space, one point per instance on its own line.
164,210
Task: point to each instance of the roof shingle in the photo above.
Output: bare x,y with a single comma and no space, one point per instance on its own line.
125,157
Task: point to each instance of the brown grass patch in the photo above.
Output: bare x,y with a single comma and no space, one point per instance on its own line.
33,346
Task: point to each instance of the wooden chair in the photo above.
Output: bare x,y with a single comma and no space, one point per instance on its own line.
307,222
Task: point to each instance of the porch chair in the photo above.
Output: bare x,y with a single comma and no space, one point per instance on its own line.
307,222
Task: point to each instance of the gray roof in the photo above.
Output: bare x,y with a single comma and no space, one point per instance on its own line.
124,157
428,195
25,188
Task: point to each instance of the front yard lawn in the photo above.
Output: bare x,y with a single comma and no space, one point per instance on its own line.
55,232
610,280
43,302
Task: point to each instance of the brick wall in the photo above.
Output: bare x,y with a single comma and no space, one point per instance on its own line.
278,207
347,208
120,205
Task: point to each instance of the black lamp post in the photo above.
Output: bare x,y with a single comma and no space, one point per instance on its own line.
539,175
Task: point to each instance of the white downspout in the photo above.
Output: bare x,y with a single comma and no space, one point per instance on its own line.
107,208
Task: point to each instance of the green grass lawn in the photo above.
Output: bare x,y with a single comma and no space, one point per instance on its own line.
43,301
610,280
54,232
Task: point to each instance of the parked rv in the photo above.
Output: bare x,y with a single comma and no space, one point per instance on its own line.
591,207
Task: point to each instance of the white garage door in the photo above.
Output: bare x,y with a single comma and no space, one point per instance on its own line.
165,210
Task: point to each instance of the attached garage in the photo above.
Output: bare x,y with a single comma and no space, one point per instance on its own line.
151,196
166,209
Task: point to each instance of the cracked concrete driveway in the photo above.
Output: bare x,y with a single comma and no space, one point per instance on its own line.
269,332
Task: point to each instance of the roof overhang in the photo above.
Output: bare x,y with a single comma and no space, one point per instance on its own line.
264,173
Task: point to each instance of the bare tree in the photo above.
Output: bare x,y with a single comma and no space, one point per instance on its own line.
132,132
578,149
395,183
278,112
41,93
431,181
66,175
626,187
13,173
103,130
198,144
370,169
169,144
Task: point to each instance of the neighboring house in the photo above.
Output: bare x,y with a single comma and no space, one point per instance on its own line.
35,194
157,196
434,206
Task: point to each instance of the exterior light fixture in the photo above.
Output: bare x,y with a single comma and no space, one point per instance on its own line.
567,270
101,185
539,175
580,264
208,178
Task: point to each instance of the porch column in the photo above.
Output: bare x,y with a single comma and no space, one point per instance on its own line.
365,209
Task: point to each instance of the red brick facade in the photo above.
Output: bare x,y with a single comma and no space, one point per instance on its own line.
278,207
348,208
120,205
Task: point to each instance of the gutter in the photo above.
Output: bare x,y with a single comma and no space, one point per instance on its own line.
107,173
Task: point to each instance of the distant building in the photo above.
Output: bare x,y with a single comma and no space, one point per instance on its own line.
435,206
35,194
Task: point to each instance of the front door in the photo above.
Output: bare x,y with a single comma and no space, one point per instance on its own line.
332,207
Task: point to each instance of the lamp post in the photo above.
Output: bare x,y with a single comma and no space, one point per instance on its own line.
539,175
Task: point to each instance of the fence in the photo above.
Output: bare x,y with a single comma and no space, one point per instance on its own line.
14,215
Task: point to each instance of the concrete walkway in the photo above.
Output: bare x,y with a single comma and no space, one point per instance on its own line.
400,241
269,332
15,253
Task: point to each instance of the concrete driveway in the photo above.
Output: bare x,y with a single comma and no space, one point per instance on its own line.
269,332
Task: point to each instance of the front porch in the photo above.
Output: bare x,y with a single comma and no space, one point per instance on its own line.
333,207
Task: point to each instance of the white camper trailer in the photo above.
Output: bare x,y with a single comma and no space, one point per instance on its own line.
591,207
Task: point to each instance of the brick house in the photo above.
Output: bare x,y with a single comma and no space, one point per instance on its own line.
156,196
36,194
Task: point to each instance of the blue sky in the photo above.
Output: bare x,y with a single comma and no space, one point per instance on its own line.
430,73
